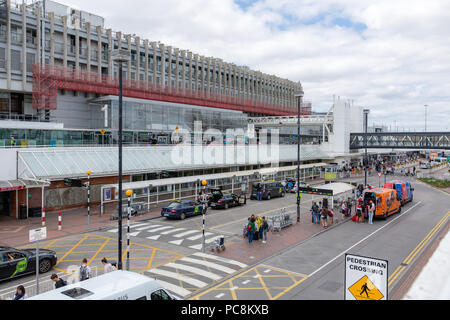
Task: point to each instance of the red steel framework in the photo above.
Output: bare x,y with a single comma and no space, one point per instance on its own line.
48,79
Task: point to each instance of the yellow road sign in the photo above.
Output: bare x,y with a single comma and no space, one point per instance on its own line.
364,289
102,131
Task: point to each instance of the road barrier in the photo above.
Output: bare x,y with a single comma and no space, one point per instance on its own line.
280,220
59,221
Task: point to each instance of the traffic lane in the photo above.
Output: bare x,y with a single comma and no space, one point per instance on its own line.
230,221
322,257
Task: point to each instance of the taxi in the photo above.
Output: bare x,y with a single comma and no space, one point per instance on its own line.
181,209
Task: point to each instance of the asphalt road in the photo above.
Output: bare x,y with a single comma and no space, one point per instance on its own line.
314,267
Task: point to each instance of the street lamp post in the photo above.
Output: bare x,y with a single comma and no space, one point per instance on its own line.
366,113
204,183
120,56
299,96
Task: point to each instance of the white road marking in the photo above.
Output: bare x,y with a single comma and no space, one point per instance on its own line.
199,236
154,237
175,289
172,231
161,228
148,227
198,271
220,295
177,242
185,233
209,264
169,274
210,256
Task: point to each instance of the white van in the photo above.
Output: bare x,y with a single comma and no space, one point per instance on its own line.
115,285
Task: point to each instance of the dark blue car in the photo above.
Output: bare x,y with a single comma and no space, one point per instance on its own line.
181,209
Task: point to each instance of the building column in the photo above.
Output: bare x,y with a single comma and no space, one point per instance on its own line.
99,52
155,62
137,41
183,70
230,86
88,46
128,38
169,66
110,48
189,55
24,46
8,44
77,45
64,22
219,76
176,52
146,62
52,38
162,51
208,76
38,35
197,60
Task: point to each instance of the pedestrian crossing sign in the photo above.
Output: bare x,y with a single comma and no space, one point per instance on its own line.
365,278
364,289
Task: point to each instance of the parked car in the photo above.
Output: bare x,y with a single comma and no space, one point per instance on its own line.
268,189
17,262
224,201
181,209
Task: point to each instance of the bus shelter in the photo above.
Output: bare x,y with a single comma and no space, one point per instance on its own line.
341,191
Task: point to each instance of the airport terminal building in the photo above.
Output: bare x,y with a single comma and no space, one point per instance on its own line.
59,106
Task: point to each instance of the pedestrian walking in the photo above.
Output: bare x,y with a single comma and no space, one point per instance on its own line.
343,209
259,192
349,207
58,281
371,210
315,213
85,270
323,217
265,228
259,224
107,267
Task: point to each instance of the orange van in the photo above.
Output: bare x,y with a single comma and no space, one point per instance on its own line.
386,202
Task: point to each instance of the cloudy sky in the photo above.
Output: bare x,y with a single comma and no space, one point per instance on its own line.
391,56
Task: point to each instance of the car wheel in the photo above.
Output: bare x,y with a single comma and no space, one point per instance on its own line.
268,196
283,194
226,205
44,266
183,216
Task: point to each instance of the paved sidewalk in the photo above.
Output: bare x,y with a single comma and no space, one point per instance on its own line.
238,248
14,232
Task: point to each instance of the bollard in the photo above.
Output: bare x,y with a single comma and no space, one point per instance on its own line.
43,216
59,221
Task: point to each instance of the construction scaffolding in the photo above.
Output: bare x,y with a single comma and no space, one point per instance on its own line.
48,79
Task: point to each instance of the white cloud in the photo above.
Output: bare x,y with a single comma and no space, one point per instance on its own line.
396,64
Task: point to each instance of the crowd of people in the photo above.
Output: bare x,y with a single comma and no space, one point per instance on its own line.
256,229
321,214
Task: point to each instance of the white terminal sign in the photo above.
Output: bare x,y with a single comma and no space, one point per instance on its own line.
365,278
38,234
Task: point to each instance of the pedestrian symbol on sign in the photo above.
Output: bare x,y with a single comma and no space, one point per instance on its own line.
364,289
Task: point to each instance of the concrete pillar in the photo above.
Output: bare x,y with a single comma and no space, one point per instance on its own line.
51,15
155,60
64,22
230,84
169,66
176,52
99,52
208,76
189,56
38,35
196,72
219,77
235,80
162,51
137,41
8,44
183,69
110,47
88,46
128,38
77,47
146,60
24,46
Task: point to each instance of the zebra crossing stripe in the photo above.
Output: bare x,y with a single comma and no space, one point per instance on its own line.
210,256
185,233
154,237
132,226
177,242
175,289
209,264
148,227
174,230
198,271
161,228
199,236
180,277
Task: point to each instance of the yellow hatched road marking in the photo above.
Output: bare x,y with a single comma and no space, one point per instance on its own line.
73,248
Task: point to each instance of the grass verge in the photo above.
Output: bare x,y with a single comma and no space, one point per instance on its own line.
436,182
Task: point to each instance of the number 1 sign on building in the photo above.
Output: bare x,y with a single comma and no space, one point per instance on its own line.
35,236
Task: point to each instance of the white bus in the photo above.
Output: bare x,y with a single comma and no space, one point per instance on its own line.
116,285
